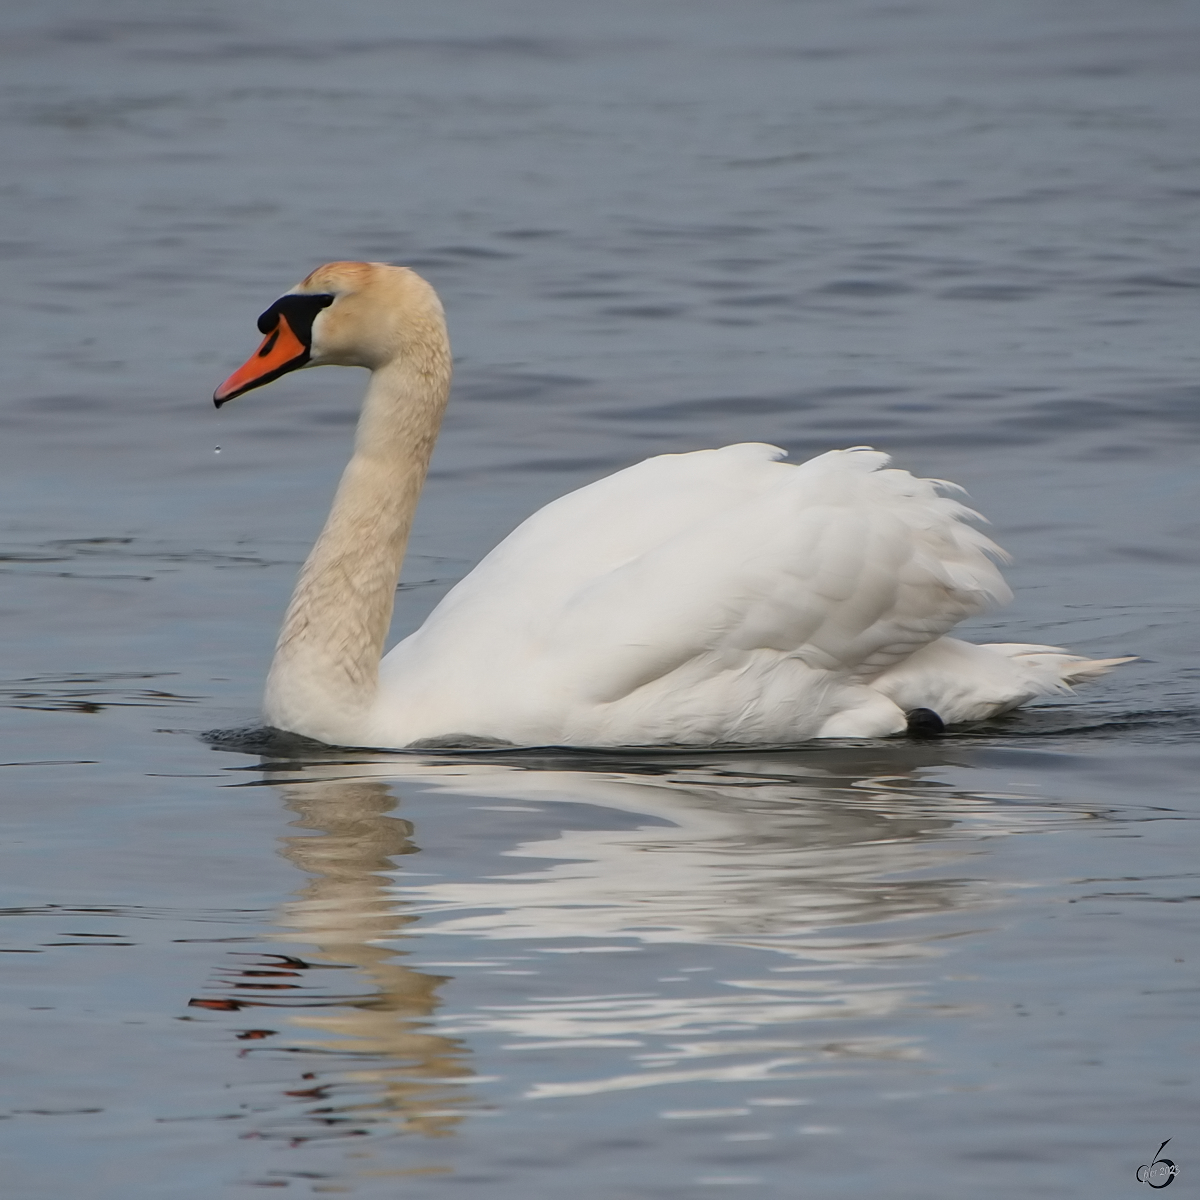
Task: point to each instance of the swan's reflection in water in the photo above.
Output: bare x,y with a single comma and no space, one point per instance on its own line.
376,1061
343,911
807,894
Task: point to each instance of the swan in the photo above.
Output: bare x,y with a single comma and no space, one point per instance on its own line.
713,597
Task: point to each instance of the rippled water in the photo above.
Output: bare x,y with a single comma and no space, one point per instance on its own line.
963,233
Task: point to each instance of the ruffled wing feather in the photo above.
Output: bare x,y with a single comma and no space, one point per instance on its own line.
699,565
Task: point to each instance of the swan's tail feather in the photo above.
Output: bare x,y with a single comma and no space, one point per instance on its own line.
962,682
1092,668
1055,665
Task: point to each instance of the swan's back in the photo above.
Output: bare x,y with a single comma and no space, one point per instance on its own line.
715,596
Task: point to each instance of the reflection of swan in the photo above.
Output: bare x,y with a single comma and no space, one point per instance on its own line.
720,596
844,867
749,860
343,910
772,852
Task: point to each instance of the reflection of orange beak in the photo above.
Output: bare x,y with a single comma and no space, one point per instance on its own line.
281,351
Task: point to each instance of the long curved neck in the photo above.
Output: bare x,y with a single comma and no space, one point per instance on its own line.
325,673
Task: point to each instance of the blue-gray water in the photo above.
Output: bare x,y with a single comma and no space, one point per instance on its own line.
964,233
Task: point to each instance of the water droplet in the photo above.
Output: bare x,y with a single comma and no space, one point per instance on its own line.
217,450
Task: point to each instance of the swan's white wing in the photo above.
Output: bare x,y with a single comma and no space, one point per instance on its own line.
841,565
582,536
710,568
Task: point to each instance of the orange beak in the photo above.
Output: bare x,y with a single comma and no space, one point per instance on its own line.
280,352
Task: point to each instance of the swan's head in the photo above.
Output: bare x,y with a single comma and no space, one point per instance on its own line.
347,314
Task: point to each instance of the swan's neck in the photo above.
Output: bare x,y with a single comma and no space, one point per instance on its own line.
325,673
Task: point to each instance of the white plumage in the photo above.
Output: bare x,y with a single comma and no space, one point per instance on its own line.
721,596
697,598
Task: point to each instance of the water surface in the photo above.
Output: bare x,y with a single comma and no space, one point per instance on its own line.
963,234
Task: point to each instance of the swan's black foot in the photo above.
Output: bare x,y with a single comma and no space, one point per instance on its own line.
924,723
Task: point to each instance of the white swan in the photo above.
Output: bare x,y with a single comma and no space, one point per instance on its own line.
714,597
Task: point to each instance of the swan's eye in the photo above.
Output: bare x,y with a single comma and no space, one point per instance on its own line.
300,311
